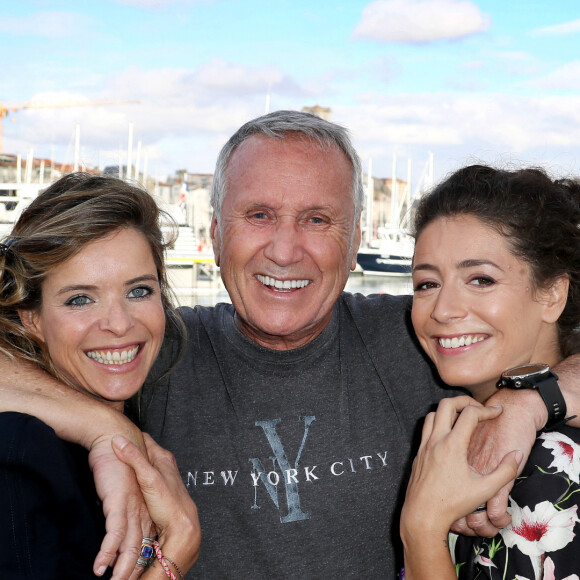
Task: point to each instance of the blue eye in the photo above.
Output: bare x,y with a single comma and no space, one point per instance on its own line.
140,292
79,300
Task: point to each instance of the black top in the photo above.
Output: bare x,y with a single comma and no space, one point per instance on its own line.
543,536
51,521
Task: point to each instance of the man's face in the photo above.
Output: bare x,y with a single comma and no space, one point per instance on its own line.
286,238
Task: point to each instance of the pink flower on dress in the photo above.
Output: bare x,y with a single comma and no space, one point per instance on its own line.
545,529
566,454
482,560
550,572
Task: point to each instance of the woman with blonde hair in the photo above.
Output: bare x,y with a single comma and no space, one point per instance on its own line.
84,295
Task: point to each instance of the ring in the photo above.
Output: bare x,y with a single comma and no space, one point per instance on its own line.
481,508
146,552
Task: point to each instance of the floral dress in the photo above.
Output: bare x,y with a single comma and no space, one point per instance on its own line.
541,543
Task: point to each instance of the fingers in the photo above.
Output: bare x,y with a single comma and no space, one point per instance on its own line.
126,565
460,527
110,545
149,472
497,505
121,545
488,523
451,406
459,428
480,525
138,527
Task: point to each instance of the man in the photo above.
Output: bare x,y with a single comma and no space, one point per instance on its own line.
293,410
297,405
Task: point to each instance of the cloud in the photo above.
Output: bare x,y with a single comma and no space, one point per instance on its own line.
191,107
564,78
47,24
154,4
420,21
572,27
459,129
216,82
185,115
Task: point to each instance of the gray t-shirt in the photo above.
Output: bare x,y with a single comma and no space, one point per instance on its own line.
296,459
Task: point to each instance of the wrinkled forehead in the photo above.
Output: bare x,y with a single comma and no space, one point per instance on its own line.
295,161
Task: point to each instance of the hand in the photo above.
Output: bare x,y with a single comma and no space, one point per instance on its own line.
568,372
168,501
443,486
514,428
127,517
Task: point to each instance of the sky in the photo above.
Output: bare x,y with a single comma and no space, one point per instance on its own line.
467,81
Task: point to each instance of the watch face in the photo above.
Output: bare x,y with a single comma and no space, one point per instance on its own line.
525,370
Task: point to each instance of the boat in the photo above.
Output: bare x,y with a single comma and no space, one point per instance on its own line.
14,198
391,253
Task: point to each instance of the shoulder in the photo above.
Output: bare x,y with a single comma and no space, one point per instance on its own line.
381,317
35,462
204,316
383,307
32,449
21,432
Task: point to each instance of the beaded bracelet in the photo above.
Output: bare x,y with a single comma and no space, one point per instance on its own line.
175,566
162,560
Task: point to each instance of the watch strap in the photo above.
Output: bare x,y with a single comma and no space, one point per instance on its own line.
553,399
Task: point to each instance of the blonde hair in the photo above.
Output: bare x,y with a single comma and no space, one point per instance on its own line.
74,211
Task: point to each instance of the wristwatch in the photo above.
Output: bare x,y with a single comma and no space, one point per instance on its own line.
543,379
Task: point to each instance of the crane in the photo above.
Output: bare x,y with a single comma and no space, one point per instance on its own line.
7,108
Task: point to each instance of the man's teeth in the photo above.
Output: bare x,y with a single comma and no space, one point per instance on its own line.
464,340
282,284
115,357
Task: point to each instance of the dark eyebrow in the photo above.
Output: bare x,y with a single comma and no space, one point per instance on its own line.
471,263
89,287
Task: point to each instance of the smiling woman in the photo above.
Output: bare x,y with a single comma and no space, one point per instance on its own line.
496,278
102,320
84,295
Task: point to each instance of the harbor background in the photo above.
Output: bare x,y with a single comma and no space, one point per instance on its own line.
210,292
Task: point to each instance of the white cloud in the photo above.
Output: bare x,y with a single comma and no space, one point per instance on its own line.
563,78
184,116
572,27
215,81
47,24
461,129
420,21
154,4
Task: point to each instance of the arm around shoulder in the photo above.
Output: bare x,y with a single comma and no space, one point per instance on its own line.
74,416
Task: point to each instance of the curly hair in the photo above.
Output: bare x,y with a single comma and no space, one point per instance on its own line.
539,217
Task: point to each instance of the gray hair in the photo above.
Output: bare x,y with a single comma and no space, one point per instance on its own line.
279,125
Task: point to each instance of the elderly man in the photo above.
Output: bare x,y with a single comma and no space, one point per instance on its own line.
292,415
293,410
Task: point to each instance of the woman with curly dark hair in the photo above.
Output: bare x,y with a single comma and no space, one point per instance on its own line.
496,277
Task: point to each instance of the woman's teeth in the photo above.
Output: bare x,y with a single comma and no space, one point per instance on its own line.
113,357
456,342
